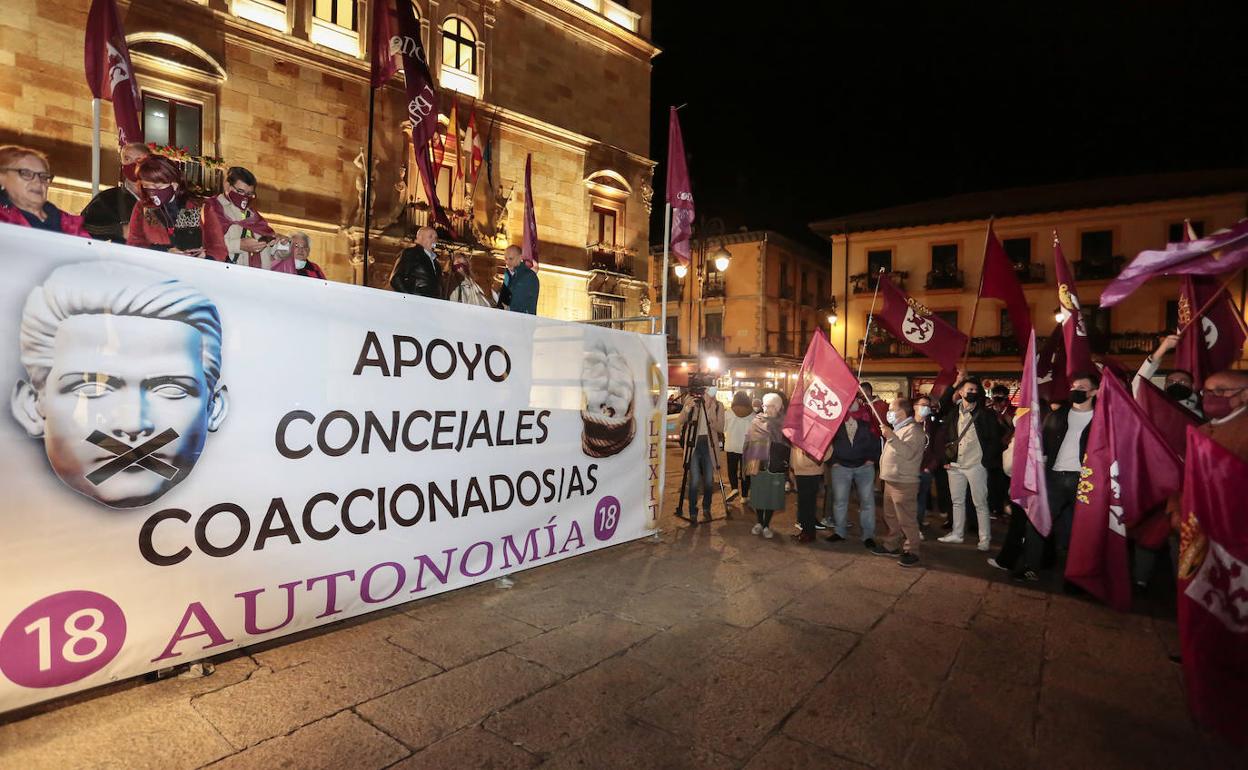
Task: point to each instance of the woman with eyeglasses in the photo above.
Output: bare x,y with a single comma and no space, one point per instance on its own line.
24,181
167,217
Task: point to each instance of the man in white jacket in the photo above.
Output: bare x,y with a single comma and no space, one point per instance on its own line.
904,443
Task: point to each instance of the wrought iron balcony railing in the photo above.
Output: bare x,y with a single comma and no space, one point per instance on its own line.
945,279
864,283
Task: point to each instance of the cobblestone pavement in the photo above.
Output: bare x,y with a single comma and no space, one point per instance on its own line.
705,647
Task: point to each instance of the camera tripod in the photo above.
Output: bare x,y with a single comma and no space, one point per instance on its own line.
689,439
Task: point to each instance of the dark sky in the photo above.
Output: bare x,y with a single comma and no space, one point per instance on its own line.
802,111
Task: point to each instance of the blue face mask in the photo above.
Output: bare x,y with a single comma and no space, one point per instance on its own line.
923,412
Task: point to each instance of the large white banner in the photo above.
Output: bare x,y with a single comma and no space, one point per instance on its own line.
198,457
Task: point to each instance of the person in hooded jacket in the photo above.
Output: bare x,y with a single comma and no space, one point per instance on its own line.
736,422
766,449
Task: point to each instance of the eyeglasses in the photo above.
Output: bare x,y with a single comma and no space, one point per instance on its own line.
27,175
1222,391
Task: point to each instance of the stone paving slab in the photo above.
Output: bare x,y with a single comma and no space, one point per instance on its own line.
704,647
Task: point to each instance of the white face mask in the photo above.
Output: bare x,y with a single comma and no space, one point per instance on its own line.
712,392
923,412
301,263
892,417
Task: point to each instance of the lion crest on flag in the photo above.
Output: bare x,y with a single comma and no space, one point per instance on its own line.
822,400
917,326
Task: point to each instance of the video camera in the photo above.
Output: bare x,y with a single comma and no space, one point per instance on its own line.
698,383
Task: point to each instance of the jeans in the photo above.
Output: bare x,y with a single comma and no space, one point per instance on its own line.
863,478
1061,486
807,499
976,477
925,493
701,476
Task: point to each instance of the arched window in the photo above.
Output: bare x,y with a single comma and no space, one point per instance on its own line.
459,45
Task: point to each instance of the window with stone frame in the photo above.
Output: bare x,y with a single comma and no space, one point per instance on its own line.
340,13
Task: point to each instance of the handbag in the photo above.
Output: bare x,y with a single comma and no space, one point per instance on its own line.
951,447
767,491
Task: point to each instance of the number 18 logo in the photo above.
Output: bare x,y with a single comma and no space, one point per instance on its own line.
62,638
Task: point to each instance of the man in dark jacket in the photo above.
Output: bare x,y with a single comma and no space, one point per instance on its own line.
417,270
1064,438
855,453
973,430
520,284
107,216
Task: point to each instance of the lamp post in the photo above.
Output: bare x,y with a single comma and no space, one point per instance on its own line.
721,258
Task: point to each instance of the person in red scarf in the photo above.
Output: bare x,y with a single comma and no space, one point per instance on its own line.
240,234
24,181
298,263
168,217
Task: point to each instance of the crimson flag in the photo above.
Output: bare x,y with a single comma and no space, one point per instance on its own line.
679,191
1213,587
1225,251
1074,325
1170,418
530,218
384,55
1027,484
825,390
1001,282
422,100
1216,339
946,379
911,322
110,75
1051,367
1127,470
475,151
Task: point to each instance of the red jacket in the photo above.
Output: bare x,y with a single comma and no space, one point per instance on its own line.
71,224
147,229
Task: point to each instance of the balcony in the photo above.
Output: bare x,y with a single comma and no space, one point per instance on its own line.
1098,268
945,279
673,290
673,344
808,298
1133,343
995,347
611,258
712,345
864,283
1029,272
784,344
786,291
713,286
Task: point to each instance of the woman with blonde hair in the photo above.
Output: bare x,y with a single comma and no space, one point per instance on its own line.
24,182
767,460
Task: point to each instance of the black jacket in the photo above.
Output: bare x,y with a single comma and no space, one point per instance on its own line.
865,446
1053,433
417,273
987,427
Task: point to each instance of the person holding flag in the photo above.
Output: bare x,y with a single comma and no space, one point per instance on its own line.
1180,385
973,447
904,442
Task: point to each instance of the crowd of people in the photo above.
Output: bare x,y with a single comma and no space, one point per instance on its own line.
154,207
958,445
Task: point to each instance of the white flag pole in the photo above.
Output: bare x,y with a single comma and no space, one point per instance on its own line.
866,337
95,147
667,244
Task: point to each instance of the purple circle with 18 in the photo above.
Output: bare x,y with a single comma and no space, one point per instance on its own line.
606,518
62,638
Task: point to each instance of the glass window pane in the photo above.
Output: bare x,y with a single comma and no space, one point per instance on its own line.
346,14
324,9
187,127
466,59
608,227
156,119
448,51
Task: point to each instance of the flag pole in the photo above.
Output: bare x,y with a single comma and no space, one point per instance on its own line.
368,182
870,314
870,408
667,243
970,333
95,146
1205,307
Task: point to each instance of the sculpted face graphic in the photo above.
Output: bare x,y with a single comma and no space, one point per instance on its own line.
123,403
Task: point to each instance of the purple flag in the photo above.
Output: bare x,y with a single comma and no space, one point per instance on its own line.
110,75
911,322
679,191
821,398
530,219
1027,485
1216,339
383,61
1222,252
1074,325
422,106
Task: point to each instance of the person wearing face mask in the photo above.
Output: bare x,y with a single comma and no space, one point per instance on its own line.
707,434
107,216
235,231
736,423
1225,400
998,483
298,263
417,271
24,181
167,218
1180,386
972,450
925,419
1064,439
904,443
855,452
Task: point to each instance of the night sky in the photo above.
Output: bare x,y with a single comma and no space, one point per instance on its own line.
796,115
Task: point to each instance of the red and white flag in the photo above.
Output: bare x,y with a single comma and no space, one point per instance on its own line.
821,400
529,249
1074,325
110,75
474,150
1027,484
1128,469
911,322
1213,587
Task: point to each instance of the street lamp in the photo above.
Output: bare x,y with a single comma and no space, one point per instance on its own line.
832,317
681,270
712,363
722,258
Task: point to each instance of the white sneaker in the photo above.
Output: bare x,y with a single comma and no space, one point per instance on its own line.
757,529
993,563
984,545
767,533
951,538
732,494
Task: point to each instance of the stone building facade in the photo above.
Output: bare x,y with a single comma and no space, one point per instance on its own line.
282,88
